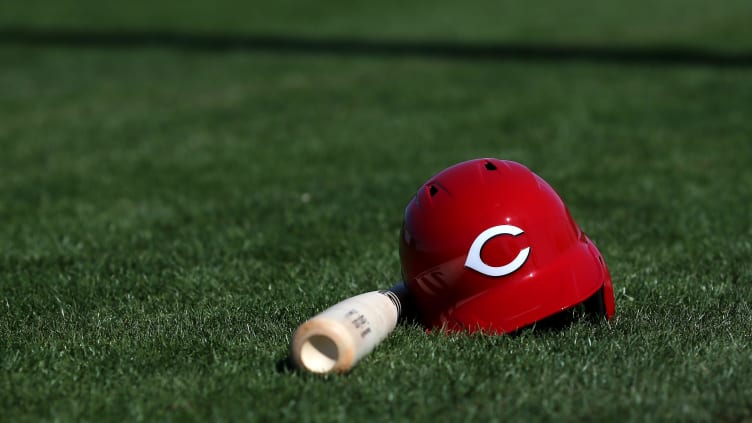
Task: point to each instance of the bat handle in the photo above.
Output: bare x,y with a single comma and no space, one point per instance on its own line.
335,339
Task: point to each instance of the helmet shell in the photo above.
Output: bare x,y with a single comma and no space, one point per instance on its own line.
489,245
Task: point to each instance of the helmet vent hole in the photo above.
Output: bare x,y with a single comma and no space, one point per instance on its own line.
490,166
432,190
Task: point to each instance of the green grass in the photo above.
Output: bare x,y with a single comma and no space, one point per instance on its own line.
156,252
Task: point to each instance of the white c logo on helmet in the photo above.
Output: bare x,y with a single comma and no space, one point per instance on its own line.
475,262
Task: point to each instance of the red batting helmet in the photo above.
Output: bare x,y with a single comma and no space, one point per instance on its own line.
489,245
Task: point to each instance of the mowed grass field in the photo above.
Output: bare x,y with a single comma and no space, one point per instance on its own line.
182,184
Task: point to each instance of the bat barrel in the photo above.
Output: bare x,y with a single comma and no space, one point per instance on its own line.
335,339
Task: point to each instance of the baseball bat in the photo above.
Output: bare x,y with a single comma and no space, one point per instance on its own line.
338,337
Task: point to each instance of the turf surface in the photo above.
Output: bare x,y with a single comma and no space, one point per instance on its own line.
169,214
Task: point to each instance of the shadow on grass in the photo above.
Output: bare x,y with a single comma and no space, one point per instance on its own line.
285,365
387,48
557,323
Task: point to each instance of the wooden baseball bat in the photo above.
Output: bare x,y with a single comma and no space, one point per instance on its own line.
337,338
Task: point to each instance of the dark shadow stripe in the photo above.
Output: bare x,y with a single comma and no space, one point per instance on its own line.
450,50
